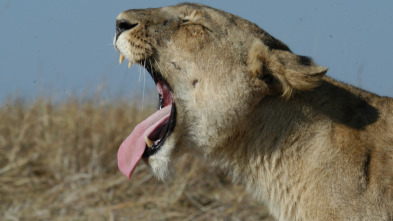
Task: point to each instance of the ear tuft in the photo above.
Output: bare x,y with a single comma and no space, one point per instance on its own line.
293,72
300,72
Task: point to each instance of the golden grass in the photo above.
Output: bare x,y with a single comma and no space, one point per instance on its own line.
58,162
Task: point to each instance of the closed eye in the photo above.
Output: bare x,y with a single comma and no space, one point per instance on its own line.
186,21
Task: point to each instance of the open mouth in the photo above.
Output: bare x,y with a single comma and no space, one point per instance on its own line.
150,135
157,137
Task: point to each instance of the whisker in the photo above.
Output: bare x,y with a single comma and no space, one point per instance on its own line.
140,73
151,68
159,68
139,81
144,82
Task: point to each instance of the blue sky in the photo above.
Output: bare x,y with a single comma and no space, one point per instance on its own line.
59,49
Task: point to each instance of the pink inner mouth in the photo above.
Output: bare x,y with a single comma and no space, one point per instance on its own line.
133,147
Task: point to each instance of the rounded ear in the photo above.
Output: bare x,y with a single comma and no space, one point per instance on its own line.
292,72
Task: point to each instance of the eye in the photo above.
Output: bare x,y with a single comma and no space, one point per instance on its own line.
185,20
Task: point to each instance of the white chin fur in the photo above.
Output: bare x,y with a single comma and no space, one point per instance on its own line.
160,162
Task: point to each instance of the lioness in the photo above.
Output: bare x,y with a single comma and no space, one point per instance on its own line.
308,146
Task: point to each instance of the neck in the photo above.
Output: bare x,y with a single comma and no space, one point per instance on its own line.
267,157
271,157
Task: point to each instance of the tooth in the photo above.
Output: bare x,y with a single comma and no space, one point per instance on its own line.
121,58
129,64
149,142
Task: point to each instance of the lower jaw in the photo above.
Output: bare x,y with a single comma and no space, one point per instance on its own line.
171,126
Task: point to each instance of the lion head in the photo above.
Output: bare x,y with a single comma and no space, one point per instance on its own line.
212,69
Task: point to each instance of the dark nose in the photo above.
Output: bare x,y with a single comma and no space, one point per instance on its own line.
123,25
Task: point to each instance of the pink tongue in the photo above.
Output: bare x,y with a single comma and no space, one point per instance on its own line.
132,148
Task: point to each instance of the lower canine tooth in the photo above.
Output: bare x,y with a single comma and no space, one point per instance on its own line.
149,142
121,58
129,64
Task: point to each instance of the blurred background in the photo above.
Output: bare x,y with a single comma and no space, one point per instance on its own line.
62,48
66,105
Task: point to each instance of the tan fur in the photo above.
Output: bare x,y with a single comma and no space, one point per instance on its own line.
309,147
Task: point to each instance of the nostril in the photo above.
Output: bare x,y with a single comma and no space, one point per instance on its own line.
123,25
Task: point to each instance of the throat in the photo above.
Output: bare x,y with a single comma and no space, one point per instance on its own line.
267,178
267,159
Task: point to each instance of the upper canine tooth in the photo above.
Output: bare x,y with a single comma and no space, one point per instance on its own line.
121,58
129,64
149,142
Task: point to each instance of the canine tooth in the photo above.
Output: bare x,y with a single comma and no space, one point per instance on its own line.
149,142
129,64
121,58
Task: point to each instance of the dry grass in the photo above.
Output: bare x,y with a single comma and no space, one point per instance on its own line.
58,162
